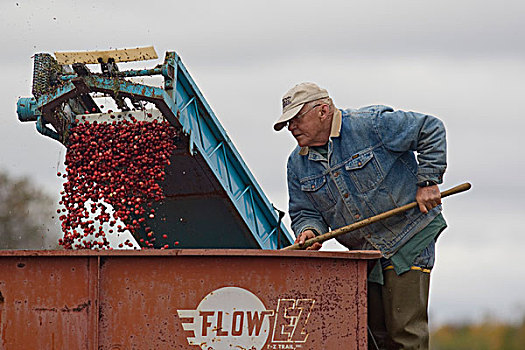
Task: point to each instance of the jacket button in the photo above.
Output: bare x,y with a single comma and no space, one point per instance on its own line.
359,164
336,174
313,186
346,195
357,216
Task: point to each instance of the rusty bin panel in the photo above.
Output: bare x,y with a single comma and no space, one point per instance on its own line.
183,299
47,302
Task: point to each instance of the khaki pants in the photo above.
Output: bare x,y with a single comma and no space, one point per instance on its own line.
397,311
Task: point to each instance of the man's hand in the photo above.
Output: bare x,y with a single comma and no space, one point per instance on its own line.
428,198
307,234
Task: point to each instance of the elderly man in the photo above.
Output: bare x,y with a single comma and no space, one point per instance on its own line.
356,163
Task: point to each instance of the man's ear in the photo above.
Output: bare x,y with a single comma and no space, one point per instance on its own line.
325,111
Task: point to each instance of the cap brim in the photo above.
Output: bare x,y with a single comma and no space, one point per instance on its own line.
286,116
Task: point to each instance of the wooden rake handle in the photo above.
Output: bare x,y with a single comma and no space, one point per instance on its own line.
357,225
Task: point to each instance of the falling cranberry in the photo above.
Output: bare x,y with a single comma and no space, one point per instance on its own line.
113,173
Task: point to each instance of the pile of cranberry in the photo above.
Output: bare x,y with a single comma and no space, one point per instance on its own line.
113,172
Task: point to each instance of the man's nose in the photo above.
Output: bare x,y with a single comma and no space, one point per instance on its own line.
291,125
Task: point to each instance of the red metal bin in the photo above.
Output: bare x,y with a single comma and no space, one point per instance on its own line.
183,299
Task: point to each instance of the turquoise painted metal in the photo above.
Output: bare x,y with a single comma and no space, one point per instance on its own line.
219,203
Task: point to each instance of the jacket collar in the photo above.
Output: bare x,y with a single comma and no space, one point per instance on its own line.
334,132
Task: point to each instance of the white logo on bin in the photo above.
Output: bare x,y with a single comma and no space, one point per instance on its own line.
235,318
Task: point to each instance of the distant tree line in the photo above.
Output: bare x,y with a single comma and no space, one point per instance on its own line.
26,215
488,335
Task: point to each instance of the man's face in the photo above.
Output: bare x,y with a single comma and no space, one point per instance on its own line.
309,126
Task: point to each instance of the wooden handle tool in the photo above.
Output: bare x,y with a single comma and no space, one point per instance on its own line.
357,225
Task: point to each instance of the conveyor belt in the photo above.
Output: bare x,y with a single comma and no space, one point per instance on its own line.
212,199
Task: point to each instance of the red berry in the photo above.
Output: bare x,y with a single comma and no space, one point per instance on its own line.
109,166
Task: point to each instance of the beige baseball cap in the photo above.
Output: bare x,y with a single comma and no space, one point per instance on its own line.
294,100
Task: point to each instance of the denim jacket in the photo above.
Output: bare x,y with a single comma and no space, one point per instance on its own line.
371,167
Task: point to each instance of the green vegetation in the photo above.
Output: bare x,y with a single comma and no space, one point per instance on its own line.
25,215
489,335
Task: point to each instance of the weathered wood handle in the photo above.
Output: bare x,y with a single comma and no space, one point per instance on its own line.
357,225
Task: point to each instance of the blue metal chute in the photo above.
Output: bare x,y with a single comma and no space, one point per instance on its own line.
212,199
209,139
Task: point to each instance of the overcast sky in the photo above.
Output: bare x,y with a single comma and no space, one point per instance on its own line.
455,60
